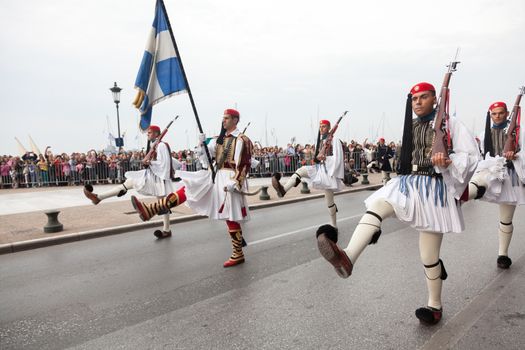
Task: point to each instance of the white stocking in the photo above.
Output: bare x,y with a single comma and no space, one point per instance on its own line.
332,208
506,213
292,181
165,219
116,190
367,227
479,180
429,247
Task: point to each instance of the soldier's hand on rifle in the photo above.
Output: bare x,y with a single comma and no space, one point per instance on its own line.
321,157
510,155
230,187
441,160
202,138
146,162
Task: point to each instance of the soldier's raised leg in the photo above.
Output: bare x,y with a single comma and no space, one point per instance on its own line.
293,181
366,232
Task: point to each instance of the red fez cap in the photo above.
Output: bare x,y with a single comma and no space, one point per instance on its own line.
381,139
154,128
498,104
422,87
232,112
324,122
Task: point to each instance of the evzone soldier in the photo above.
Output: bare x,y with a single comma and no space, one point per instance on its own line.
327,174
384,154
222,198
154,180
425,194
500,176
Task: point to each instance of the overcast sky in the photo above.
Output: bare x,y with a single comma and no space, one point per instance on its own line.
284,64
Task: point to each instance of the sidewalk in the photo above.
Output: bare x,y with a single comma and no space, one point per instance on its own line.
22,212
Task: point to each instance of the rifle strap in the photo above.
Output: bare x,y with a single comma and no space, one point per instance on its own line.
518,127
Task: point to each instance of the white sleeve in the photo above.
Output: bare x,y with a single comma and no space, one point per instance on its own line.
203,158
335,164
176,164
464,159
162,165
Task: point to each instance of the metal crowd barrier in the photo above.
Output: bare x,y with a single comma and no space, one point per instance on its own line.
104,173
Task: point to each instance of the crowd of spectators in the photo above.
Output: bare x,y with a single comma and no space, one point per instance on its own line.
358,157
62,169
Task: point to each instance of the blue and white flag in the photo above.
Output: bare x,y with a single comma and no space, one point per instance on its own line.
160,73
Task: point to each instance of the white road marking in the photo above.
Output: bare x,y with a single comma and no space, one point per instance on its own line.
299,230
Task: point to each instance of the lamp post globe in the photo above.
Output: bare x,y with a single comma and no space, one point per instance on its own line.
115,91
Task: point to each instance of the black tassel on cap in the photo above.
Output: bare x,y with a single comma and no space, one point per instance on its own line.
407,146
318,146
220,139
487,140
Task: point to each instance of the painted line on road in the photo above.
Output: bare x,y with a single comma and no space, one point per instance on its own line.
80,236
452,332
299,230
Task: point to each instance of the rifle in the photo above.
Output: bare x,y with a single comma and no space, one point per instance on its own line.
246,127
322,152
513,132
153,149
442,141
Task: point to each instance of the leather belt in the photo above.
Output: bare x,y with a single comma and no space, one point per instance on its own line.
424,170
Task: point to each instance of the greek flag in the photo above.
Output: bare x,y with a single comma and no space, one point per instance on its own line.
160,72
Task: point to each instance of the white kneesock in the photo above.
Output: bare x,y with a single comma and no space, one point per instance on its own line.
368,225
506,213
116,190
429,247
166,221
292,181
332,208
479,180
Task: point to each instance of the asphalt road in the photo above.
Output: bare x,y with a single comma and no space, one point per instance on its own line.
130,291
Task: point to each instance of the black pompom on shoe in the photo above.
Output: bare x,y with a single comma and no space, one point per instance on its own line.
88,192
330,232
162,234
429,315
504,262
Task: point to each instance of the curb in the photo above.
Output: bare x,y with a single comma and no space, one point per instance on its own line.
80,236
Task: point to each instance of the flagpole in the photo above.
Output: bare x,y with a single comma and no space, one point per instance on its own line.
208,156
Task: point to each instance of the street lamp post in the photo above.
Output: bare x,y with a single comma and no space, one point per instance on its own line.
115,90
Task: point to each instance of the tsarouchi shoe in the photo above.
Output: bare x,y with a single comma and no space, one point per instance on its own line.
88,192
326,242
162,234
232,262
429,315
277,185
